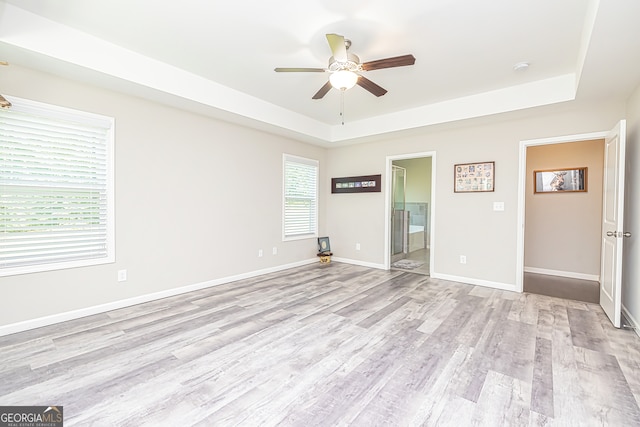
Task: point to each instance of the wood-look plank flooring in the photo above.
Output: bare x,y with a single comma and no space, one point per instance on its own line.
333,345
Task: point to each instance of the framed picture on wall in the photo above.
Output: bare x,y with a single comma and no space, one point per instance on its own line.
474,177
560,180
356,184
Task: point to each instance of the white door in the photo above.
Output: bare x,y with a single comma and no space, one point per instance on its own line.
612,222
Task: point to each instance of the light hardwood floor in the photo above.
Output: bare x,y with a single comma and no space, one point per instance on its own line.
330,345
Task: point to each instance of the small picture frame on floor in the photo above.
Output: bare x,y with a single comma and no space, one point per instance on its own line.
324,245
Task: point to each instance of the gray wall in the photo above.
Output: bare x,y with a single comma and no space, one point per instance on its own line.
631,263
184,181
196,198
463,223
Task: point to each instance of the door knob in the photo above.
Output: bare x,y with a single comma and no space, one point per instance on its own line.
611,233
626,234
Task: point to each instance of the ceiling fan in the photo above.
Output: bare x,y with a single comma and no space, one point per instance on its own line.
345,66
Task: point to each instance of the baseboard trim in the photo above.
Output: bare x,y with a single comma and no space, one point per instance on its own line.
26,325
630,318
360,263
478,282
569,274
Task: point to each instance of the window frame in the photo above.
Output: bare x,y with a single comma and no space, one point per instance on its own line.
289,158
64,113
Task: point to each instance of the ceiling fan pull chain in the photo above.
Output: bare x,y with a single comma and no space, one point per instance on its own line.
342,105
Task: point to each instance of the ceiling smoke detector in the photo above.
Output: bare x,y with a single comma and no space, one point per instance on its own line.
521,66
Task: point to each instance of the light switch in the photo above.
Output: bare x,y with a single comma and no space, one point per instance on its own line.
498,206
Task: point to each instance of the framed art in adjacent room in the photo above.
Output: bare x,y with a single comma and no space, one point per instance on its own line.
560,180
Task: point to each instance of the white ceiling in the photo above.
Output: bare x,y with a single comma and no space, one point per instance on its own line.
217,57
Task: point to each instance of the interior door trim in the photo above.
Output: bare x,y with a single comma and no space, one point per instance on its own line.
522,181
387,206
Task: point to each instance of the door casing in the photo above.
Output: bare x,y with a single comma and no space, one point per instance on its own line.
388,201
522,188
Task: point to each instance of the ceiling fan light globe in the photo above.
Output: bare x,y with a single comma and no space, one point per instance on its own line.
343,79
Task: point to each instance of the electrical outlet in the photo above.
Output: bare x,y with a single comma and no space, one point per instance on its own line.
259,253
357,246
463,259
275,250
122,275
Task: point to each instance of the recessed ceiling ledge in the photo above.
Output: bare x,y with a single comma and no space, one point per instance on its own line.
535,94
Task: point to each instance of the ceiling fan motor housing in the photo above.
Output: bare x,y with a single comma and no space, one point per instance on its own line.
352,63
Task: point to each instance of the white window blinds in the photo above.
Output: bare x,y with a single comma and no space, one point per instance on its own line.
300,197
56,179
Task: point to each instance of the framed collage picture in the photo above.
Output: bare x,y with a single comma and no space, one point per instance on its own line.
474,177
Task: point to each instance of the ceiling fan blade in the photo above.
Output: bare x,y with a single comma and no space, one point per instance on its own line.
323,91
299,70
397,61
338,48
371,86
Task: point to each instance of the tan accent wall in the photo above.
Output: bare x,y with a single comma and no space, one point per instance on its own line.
562,230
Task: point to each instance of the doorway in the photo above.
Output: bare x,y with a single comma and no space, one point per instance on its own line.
563,221
409,217
612,214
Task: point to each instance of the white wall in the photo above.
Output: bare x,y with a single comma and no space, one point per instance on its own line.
631,259
464,223
563,230
195,200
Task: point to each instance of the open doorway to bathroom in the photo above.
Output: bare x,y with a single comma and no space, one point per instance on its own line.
411,214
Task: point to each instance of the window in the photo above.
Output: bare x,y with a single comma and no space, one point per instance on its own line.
300,198
56,188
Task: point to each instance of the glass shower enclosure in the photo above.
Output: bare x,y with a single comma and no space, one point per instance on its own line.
399,215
